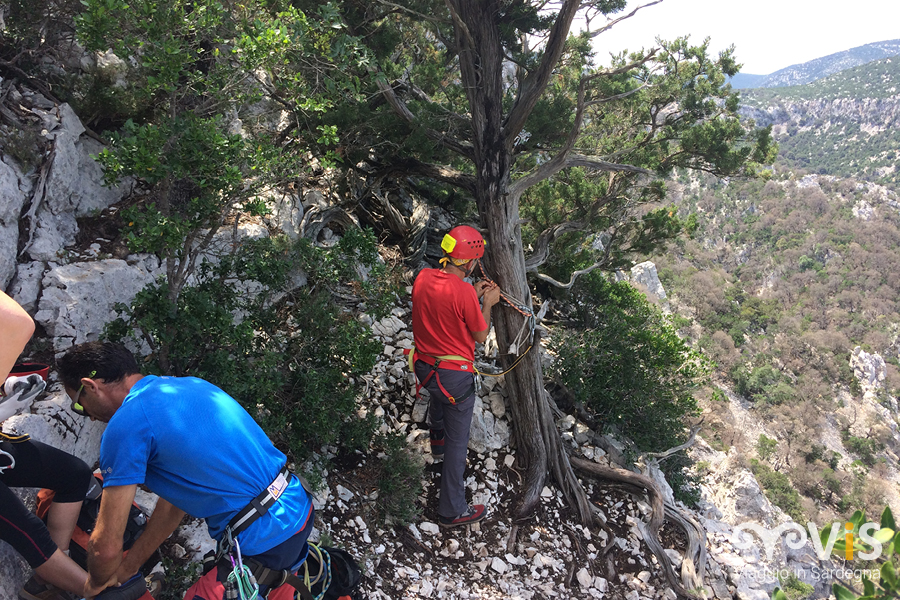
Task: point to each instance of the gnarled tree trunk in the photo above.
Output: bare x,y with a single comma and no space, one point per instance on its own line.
537,440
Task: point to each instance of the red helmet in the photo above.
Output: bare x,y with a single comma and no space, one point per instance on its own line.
463,242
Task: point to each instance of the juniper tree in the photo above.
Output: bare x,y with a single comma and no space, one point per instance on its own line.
501,104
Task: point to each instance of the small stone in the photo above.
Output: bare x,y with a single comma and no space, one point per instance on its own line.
430,528
498,565
585,579
644,576
509,460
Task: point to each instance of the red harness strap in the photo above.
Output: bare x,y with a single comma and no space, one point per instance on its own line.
440,363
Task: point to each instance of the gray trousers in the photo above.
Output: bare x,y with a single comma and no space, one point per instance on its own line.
455,420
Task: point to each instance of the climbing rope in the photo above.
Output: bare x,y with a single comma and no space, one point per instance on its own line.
526,331
324,565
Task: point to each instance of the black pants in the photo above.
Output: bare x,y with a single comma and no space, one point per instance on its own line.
36,465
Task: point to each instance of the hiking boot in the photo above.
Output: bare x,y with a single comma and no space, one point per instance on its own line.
437,442
473,514
34,590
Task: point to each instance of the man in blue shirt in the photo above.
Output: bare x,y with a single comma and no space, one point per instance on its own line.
195,447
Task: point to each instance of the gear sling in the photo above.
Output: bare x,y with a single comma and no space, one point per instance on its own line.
217,565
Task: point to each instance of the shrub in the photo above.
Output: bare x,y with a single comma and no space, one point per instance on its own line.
626,364
399,481
778,489
765,446
292,358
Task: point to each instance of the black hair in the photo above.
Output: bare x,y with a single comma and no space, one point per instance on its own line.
108,361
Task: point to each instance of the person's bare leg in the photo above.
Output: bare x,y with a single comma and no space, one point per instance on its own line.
61,520
64,573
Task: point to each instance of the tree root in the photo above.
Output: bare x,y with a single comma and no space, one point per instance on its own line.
686,587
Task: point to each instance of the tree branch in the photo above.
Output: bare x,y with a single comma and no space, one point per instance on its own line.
666,454
548,236
404,113
438,172
596,163
573,277
534,85
622,18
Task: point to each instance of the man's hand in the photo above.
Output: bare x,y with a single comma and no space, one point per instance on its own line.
480,286
491,295
104,551
91,588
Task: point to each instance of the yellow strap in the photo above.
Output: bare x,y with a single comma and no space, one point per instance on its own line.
411,360
453,357
14,439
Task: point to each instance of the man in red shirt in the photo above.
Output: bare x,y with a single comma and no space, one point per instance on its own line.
447,321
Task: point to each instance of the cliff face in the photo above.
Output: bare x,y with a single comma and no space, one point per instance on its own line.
844,125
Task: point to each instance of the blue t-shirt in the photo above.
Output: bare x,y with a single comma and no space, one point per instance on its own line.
196,447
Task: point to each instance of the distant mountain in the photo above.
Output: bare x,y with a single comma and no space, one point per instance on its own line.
847,124
821,67
743,81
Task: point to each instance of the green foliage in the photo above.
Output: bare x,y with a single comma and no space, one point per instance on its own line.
399,481
626,364
886,534
179,577
832,144
792,589
778,489
763,384
289,358
864,447
765,446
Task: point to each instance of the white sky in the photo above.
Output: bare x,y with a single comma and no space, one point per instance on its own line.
768,35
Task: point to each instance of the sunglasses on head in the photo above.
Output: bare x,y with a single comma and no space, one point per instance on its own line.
77,408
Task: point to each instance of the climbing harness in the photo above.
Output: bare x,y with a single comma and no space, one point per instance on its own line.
240,583
243,577
246,575
250,513
451,362
12,439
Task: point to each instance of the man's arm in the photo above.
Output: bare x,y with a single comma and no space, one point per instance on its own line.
104,551
490,297
16,328
165,519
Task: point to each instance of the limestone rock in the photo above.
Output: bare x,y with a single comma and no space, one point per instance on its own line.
487,432
74,187
645,277
12,199
78,299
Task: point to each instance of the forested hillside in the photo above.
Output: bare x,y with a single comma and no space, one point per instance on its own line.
846,125
785,278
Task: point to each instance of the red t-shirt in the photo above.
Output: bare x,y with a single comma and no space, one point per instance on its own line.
444,315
